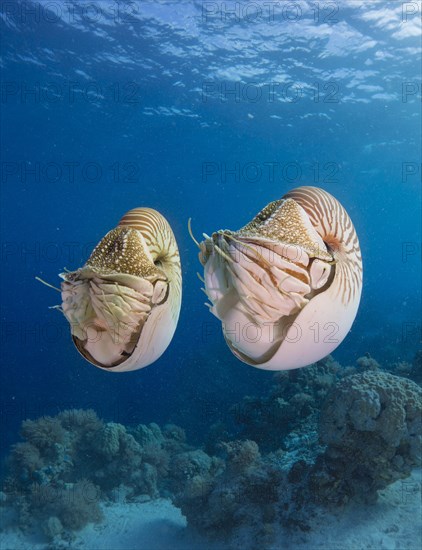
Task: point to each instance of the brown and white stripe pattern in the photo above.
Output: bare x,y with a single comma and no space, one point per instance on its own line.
161,243
333,224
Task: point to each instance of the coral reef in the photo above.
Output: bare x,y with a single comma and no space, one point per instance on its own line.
324,436
70,463
368,435
292,405
241,489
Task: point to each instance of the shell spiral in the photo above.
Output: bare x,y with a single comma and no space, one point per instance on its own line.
162,245
287,285
123,305
335,226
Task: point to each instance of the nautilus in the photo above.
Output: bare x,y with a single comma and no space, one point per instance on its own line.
287,285
123,305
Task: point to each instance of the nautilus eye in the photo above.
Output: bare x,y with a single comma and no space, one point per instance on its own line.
287,285
123,304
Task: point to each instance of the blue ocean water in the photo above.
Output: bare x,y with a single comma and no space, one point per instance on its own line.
202,110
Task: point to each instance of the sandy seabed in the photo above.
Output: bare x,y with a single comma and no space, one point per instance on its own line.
394,522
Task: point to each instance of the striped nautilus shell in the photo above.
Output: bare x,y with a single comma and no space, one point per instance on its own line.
287,285
123,304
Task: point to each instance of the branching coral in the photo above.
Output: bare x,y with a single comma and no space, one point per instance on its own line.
74,504
73,419
43,433
26,459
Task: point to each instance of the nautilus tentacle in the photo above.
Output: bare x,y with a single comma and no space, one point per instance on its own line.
287,285
123,304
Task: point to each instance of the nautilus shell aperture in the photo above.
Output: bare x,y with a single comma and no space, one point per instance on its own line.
287,285
124,303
